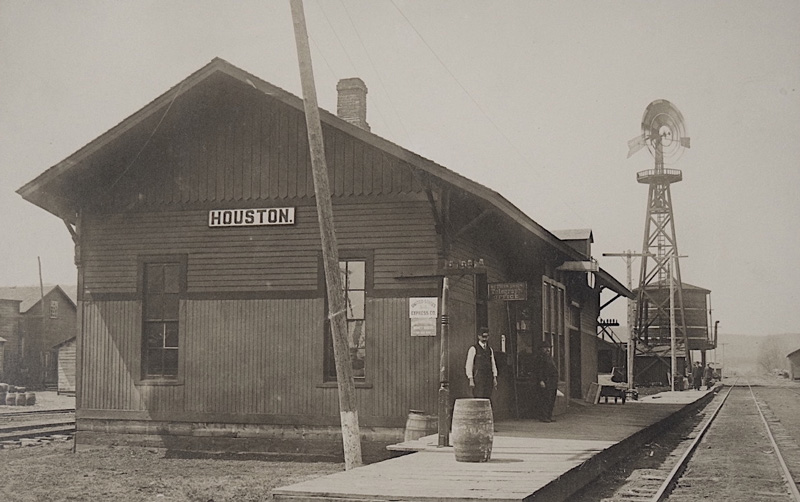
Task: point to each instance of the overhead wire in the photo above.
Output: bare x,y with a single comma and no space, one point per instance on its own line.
377,73
150,137
474,101
355,67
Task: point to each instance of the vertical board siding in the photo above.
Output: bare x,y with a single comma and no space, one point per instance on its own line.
252,356
111,356
257,357
245,147
404,369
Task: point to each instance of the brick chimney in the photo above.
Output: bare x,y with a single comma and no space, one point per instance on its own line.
352,102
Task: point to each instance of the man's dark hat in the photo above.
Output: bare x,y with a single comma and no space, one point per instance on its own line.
545,345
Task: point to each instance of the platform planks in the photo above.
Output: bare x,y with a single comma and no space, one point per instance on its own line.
518,468
530,460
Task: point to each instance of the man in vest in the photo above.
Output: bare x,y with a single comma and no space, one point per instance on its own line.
481,368
545,383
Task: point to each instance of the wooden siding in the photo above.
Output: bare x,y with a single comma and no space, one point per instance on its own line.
257,357
66,367
588,361
280,258
243,146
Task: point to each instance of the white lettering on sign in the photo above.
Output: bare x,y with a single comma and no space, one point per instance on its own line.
251,217
426,307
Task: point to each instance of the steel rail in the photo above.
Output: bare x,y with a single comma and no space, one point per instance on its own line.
786,474
674,474
28,413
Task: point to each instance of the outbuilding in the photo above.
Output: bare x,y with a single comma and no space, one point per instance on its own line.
66,366
33,321
201,294
794,364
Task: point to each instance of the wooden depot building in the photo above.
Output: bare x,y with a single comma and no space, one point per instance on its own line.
202,312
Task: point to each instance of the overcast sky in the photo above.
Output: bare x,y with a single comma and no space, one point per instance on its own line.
534,99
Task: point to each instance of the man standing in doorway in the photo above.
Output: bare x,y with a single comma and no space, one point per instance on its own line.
481,368
545,383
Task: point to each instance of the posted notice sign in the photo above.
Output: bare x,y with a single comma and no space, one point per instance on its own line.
251,217
508,291
423,311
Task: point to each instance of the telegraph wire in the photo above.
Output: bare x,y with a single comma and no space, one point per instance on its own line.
474,101
150,137
377,73
354,66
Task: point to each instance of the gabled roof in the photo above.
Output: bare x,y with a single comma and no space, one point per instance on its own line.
37,192
29,296
68,340
43,192
790,354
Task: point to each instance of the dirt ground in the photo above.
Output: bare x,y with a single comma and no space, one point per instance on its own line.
54,473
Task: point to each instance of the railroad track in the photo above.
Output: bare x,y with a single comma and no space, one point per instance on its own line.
758,448
19,428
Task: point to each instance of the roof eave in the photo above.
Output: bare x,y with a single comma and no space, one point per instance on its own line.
607,280
35,191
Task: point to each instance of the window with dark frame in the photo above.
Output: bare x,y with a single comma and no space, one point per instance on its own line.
354,283
161,293
554,323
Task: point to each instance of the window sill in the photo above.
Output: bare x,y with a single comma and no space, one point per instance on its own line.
334,385
158,382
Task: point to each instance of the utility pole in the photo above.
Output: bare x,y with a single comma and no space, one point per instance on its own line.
629,255
351,439
673,358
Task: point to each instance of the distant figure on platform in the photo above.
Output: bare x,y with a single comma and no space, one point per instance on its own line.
697,376
481,368
709,376
545,384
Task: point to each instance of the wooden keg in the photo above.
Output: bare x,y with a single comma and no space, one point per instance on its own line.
419,425
30,398
11,399
20,399
473,430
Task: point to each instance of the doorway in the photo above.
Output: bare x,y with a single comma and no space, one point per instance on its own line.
575,382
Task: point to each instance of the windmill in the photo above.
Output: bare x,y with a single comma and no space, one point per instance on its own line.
664,135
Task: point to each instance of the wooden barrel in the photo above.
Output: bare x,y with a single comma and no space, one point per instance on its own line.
11,399
2,397
3,387
30,398
473,430
20,399
419,425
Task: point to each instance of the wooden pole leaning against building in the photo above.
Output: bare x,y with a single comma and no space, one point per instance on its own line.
444,370
348,412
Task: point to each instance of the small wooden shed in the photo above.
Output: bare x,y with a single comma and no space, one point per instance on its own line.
794,364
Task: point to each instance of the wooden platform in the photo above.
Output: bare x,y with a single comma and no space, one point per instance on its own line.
530,460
